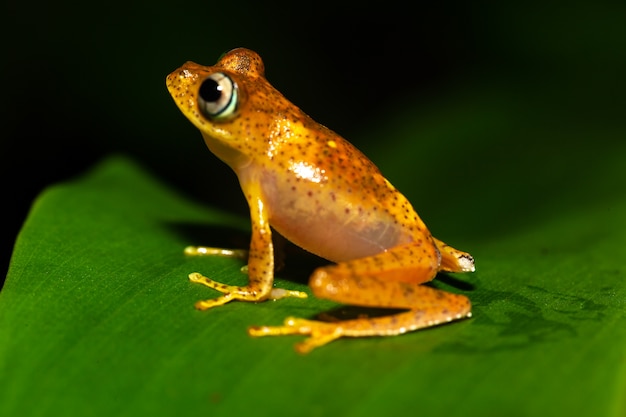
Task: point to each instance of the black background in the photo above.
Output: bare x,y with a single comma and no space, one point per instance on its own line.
86,80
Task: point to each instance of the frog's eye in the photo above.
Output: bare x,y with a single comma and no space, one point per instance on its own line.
217,97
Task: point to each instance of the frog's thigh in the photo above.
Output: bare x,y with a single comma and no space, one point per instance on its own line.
392,280
388,279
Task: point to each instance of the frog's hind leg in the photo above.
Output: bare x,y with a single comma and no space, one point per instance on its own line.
454,260
440,307
387,280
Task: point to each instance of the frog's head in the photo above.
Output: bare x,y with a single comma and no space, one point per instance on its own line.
231,103
213,95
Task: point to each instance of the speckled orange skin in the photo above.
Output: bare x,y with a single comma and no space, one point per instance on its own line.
323,194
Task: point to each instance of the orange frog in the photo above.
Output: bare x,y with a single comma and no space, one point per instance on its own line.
320,192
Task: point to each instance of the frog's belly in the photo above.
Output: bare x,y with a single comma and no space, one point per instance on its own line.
333,233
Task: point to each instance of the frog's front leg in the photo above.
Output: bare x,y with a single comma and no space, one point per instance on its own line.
260,261
389,280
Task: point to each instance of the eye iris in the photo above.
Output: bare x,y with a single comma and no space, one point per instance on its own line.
217,97
210,90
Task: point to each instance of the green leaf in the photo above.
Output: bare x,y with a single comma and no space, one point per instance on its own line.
97,317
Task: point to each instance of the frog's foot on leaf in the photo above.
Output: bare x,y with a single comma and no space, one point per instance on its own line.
233,253
321,333
234,292
210,251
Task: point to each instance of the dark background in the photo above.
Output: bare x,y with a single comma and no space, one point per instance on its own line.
83,80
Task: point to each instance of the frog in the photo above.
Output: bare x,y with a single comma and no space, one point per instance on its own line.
305,182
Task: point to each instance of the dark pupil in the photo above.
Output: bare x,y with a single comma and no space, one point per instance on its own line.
210,90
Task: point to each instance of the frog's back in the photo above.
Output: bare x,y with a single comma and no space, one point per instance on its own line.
324,195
